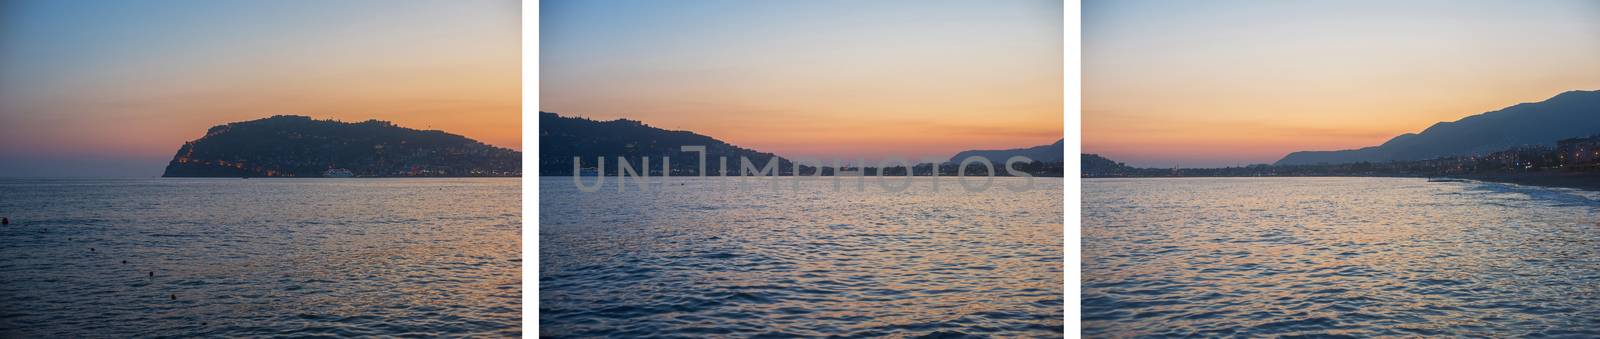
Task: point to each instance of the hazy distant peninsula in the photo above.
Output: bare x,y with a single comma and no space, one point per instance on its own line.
299,146
1568,115
1571,162
563,138
1043,153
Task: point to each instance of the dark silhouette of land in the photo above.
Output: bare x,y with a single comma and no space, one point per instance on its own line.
1555,142
1567,115
298,146
1051,153
1572,162
561,139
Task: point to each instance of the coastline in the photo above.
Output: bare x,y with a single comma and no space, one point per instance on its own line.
1588,181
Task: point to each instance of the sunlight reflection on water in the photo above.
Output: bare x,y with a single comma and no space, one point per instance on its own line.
260,257
707,258
1339,256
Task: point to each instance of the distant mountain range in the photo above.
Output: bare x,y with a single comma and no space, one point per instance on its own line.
1568,115
1571,162
299,146
1044,153
563,138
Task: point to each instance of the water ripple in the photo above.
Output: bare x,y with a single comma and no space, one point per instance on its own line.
1344,257
260,258
703,260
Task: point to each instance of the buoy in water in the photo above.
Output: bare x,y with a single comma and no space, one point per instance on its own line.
91,249
124,262
152,274
5,221
174,297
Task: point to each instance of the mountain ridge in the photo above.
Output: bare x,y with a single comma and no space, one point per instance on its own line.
1043,153
1568,114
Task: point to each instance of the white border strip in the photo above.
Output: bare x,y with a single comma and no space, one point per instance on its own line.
530,168
1071,98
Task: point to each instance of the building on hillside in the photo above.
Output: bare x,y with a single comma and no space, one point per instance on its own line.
1578,152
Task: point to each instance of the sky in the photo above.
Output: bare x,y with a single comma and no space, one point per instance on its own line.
1234,82
819,80
114,88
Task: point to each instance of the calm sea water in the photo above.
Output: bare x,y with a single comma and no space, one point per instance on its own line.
1338,256
260,257
699,257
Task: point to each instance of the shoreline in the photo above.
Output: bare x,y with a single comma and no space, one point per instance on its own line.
1588,181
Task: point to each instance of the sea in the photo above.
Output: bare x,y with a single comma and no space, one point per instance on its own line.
171,257
1339,257
779,257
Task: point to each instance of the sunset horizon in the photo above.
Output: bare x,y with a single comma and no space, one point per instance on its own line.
800,168
114,89
939,126
1230,83
1339,168
261,168
827,80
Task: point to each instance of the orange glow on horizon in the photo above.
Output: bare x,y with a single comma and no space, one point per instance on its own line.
1242,82
129,83
833,80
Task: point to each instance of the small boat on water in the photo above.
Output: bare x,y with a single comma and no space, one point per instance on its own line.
338,173
1446,180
